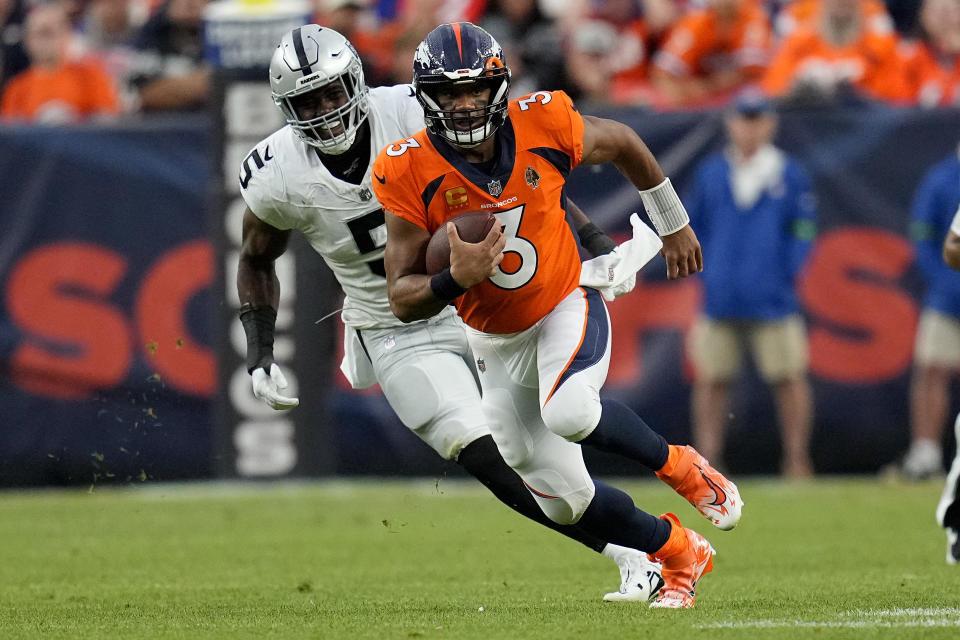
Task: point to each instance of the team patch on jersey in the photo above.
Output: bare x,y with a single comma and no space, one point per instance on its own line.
494,188
532,177
481,365
456,197
365,194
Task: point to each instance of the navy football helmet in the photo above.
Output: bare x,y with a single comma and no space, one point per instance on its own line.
456,54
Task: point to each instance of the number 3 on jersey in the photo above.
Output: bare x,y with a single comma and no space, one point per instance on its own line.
521,247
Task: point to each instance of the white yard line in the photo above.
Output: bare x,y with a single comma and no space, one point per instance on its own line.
856,619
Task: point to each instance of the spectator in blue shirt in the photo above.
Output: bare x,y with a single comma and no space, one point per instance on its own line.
754,212
936,352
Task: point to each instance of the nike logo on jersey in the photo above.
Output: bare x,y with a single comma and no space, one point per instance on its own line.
266,154
379,179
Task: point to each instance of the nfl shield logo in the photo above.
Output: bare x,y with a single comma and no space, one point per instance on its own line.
532,177
481,365
365,194
494,188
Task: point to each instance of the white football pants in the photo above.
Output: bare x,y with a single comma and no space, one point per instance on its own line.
541,392
426,373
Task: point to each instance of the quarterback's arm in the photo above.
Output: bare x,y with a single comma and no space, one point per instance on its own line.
413,294
611,141
258,286
951,250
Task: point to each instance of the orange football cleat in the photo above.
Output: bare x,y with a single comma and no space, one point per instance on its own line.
704,487
688,558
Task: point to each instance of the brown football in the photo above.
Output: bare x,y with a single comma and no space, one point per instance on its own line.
472,226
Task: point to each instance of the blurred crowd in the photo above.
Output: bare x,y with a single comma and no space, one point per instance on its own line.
73,60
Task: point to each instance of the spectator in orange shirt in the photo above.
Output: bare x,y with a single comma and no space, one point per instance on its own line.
931,65
55,90
803,13
712,52
840,55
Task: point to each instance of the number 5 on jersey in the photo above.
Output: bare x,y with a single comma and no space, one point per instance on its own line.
520,248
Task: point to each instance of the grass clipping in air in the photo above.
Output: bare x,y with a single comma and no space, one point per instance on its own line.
830,558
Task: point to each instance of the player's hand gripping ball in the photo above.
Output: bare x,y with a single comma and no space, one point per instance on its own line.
472,226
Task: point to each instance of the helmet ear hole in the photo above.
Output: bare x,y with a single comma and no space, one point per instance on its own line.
491,64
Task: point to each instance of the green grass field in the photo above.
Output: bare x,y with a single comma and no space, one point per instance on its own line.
377,559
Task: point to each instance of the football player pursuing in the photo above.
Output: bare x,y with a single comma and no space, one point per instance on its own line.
542,342
948,509
315,177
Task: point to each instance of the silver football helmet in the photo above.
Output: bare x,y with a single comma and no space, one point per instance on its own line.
312,58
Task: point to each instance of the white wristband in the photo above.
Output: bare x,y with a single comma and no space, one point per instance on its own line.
664,208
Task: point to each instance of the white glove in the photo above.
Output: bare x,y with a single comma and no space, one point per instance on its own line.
615,273
267,388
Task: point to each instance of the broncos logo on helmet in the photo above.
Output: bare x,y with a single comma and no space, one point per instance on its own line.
312,58
455,54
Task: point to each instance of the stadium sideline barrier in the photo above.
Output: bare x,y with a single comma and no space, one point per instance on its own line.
120,349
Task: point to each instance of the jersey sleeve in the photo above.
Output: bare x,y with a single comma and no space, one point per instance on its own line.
262,189
554,116
394,186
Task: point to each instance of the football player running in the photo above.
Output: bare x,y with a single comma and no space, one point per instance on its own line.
316,178
542,338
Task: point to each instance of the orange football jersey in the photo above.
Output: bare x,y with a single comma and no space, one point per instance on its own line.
425,181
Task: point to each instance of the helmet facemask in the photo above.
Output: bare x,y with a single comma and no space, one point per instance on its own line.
449,123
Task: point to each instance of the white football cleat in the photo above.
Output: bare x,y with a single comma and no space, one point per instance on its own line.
640,578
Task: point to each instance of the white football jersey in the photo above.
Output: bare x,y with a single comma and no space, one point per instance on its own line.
286,185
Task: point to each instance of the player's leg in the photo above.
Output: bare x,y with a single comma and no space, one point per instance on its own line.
431,386
573,355
948,508
553,468
714,349
936,355
780,348
640,578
